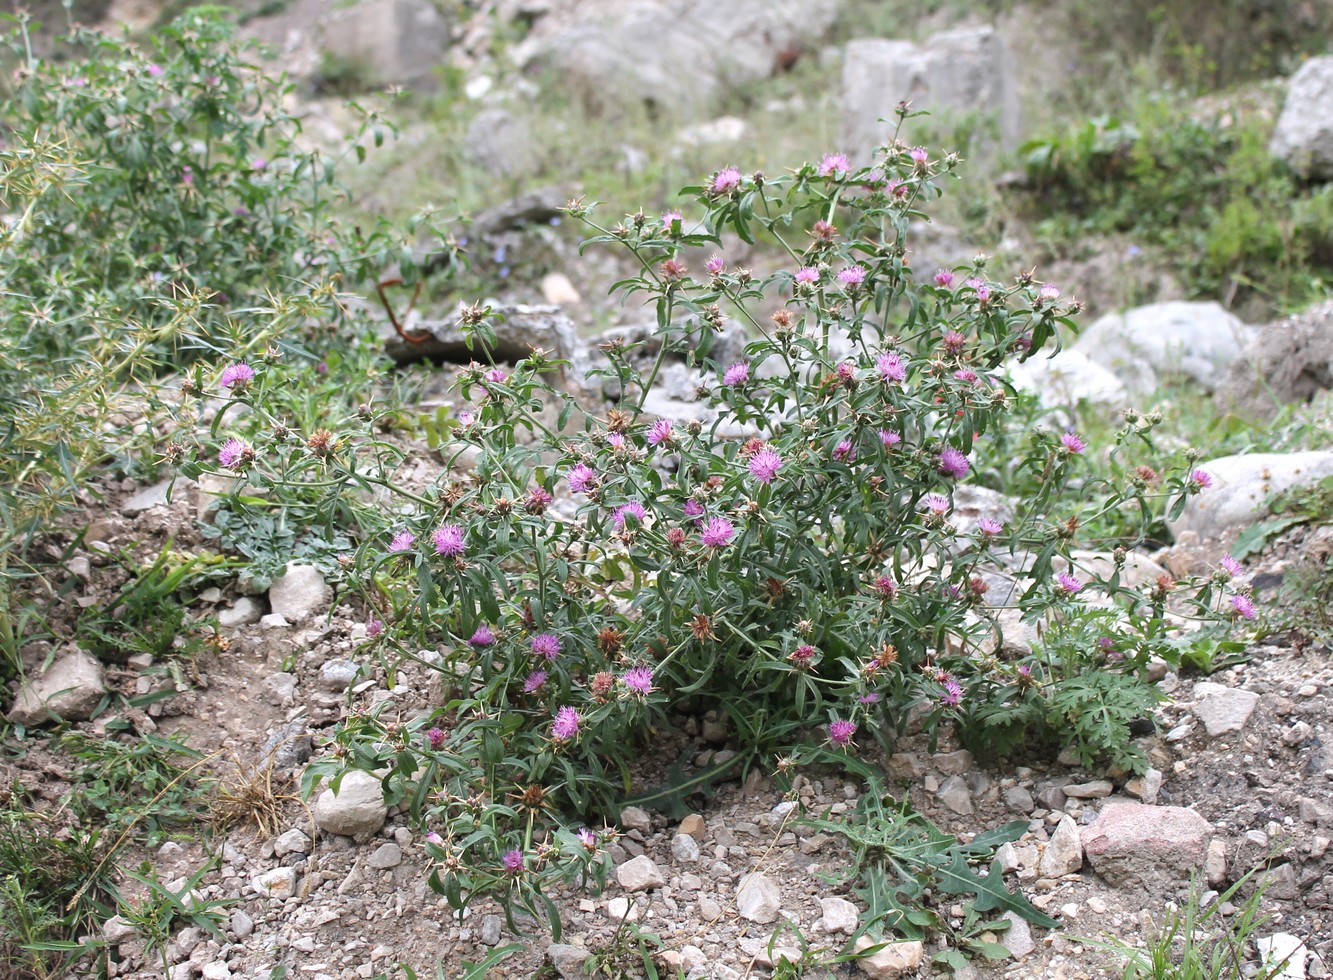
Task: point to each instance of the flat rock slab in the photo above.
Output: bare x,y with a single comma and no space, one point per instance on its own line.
894,960
1154,847
356,809
69,690
1223,709
1241,488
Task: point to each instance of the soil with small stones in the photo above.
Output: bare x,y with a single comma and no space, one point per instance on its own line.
361,909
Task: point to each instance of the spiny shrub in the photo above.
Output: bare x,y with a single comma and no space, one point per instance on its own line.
792,551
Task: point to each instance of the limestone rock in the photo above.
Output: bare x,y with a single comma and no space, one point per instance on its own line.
955,795
357,808
1064,852
1283,950
148,498
299,592
1241,486
1286,362
1223,709
522,329
293,841
639,874
894,960
337,675
636,818
964,71
758,898
69,690
242,612
280,883
1068,378
567,960
1303,136
695,826
385,856
1136,845
1018,937
390,42
840,915
685,849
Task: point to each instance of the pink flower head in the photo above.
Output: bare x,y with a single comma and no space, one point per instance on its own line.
870,697
582,478
852,276
435,738
483,637
402,541
980,288
566,724
466,418
936,504
496,376
587,838
1229,565
1244,606
833,163
1200,480
727,180
545,645
885,587
534,681
1071,442
840,732
764,465
891,367
237,376
714,265
846,371
953,693
616,440
512,861
154,70
989,526
433,838
952,463
670,219
803,655
954,342
632,509
944,278
966,375
1048,292
638,680
449,540
236,454
660,433
538,499
717,533
890,438
1067,583
919,155
693,509
736,375
374,627
844,451
807,275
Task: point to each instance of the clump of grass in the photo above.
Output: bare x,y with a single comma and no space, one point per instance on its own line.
252,795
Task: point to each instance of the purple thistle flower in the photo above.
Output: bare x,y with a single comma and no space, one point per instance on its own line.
1067,583
965,374
1229,565
449,540
717,533
154,70
764,465
638,680
989,526
466,418
616,440
693,509
483,637
237,376
670,218
1071,442
582,478
891,367
566,724
1049,292
980,288
236,454
660,433
736,375
435,738
587,838
952,463
807,276
534,681
402,541
944,278
715,264
727,180
1200,480
496,376
937,504
953,693
840,732
513,861
852,276
632,509
885,587
433,838
919,155
833,163
1244,606
890,438
844,451
545,645
539,498
846,371
870,697
374,627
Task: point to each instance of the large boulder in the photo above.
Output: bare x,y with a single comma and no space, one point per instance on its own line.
963,72
1067,379
1241,486
1287,362
1198,341
355,809
681,57
518,330
1133,845
1303,136
68,690
388,42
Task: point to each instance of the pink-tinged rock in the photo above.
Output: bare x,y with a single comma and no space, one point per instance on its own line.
1133,844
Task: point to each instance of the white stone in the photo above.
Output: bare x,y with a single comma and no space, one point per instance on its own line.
1223,709
299,592
1068,378
337,675
242,612
148,498
1303,136
1018,937
559,291
117,929
1283,948
357,808
636,818
293,841
1064,852
894,960
758,898
685,849
639,874
280,883
385,856
840,915
70,690
1241,486
217,970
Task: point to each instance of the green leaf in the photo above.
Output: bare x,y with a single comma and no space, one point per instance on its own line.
1256,537
957,878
